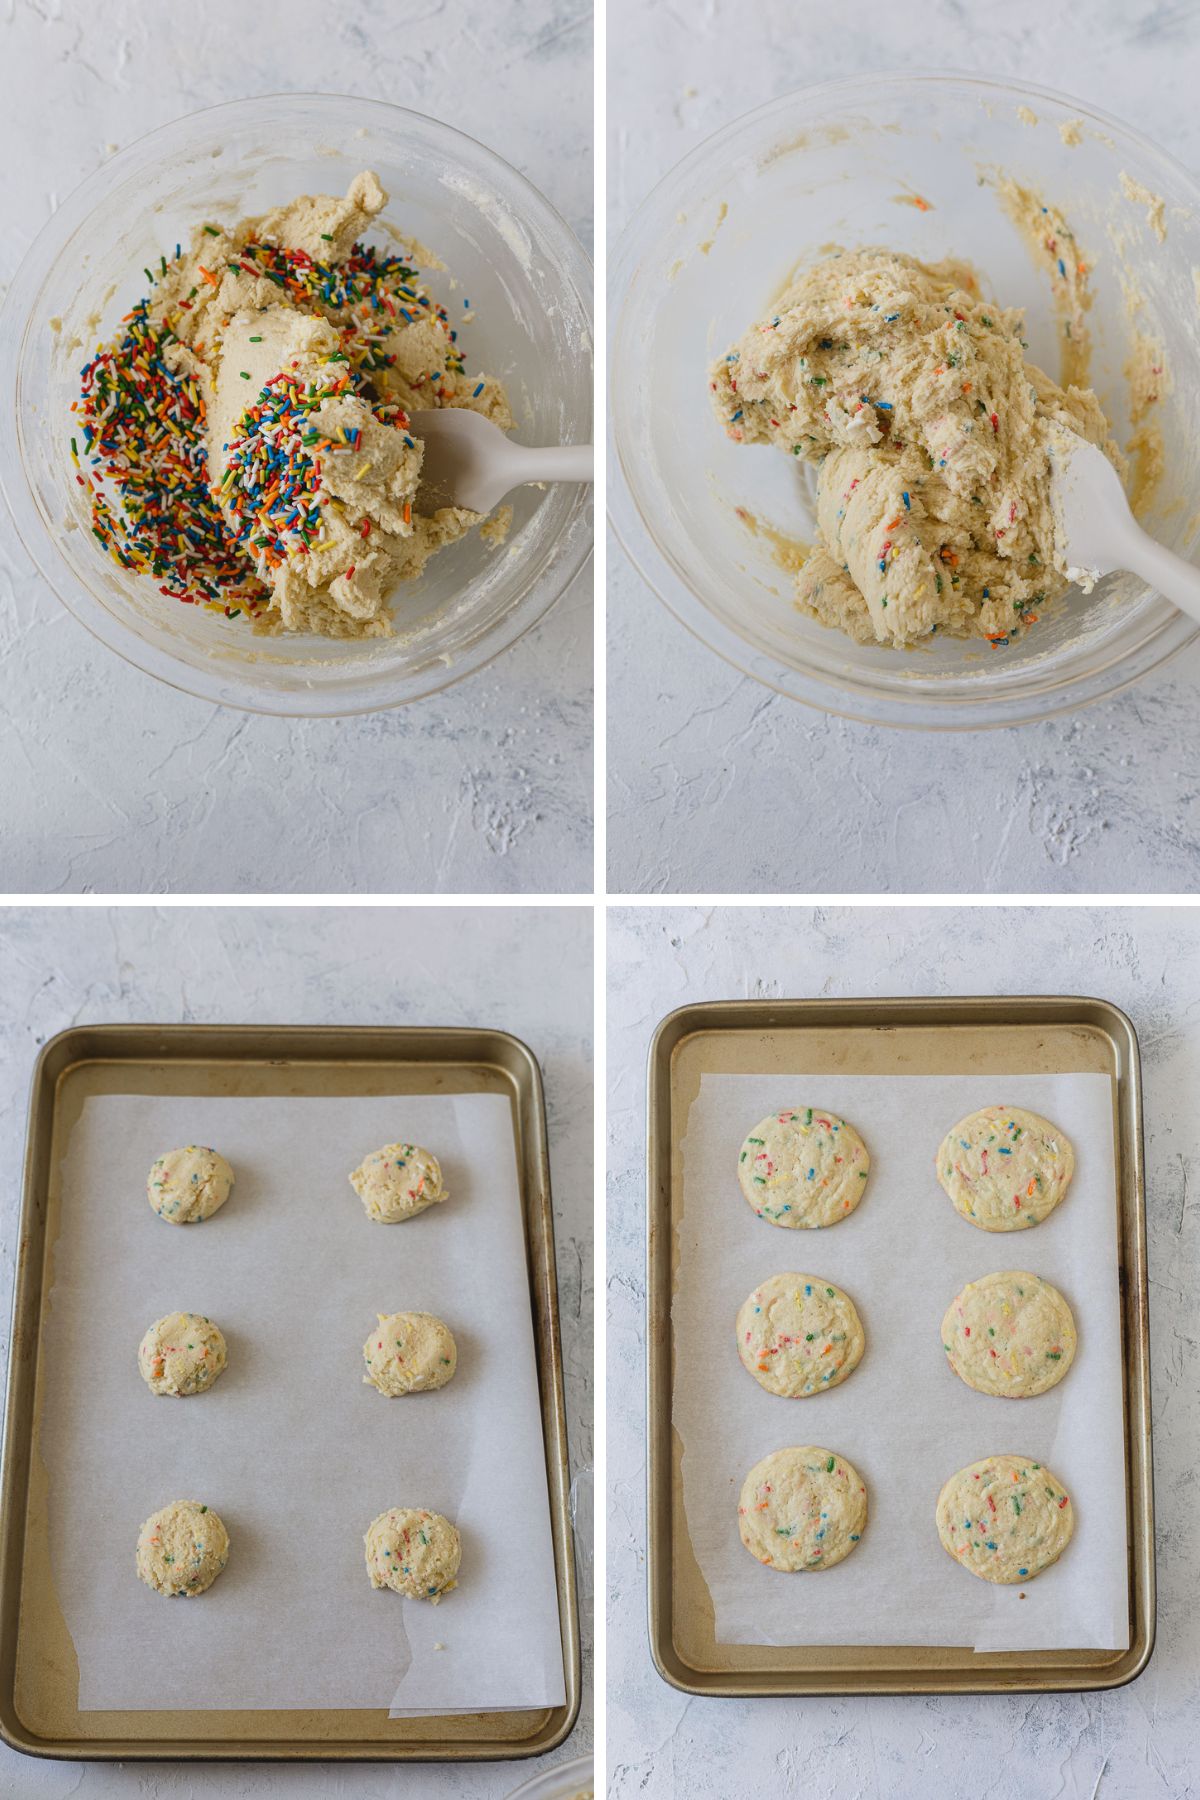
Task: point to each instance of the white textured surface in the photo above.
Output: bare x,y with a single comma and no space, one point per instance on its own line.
523,970
1138,1743
705,762
122,785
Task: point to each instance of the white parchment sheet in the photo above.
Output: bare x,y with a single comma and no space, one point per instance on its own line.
903,1419
290,1447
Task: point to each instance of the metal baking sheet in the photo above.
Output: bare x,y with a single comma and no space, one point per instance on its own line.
39,1711
981,1036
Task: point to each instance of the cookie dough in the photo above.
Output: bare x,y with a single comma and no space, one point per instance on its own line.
1005,1518
289,358
1010,1334
798,1334
1005,1168
181,1549
398,1182
930,432
802,1509
413,1552
803,1169
182,1353
409,1353
189,1185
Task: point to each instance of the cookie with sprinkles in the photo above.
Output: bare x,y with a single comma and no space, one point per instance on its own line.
187,1186
182,1353
409,1353
398,1182
1005,1519
413,1552
1005,1168
803,1168
1010,1334
798,1335
181,1549
802,1508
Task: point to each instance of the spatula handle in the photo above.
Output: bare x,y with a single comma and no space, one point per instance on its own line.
562,462
1177,580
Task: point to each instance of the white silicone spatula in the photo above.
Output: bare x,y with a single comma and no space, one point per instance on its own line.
1096,532
470,462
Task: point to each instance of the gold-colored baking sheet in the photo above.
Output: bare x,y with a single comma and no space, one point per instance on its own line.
985,1036
39,1678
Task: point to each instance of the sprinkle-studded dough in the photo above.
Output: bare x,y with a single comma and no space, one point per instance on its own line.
1005,1518
803,1168
182,1353
1005,1168
931,435
287,358
181,1549
398,1182
413,1552
409,1353
189,1185
802,1508
1010,1334
798,1335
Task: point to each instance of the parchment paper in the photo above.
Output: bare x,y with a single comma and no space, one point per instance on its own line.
903,1419
290,1447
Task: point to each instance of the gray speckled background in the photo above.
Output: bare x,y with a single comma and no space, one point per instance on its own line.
124,786
525,970
1138,1743
698,754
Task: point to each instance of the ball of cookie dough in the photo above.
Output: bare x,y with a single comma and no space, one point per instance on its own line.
182,1548
1005,1518
414,1552
802,1508
798,1334
1010,1334
188,1185
409,1353
182,1353
1005,1168
398,1182
803,1168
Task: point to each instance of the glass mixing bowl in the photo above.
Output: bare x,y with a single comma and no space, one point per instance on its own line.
562,1782
505,248
719,238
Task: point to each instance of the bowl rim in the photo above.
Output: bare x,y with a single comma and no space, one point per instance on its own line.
637,538
557,1776
566,556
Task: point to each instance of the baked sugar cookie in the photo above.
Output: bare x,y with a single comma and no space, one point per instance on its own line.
1005,1518
1010,1334
398,1182
181,1549
182,1353
413,1552
803,1168
409,1353
802,1509
1005,1168
189,1185
798,1335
